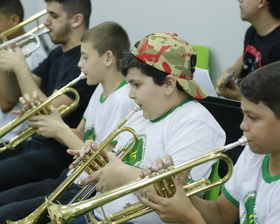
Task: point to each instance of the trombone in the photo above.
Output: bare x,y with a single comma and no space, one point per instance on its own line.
63,110
30,35
68,213
90,163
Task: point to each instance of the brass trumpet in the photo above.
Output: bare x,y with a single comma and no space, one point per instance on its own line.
15,28
90,163
63,110
33,34
68,213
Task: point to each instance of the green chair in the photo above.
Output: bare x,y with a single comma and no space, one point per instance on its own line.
203,56
213,193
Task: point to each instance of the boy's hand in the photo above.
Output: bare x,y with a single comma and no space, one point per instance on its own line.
9,60
110,176
48,126
177,209
80,154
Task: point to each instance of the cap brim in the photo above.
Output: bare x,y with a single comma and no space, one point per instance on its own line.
193,88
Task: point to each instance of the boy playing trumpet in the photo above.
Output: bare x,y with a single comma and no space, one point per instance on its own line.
160,71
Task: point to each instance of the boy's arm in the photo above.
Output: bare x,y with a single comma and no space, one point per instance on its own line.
52,126
221,211
28,82
5,103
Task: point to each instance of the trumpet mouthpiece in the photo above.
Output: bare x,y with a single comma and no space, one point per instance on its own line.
82,75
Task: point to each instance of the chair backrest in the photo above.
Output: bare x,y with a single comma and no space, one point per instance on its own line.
203,56
213,193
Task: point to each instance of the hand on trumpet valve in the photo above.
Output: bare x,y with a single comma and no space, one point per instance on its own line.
160,165
82,153
29,103
169,209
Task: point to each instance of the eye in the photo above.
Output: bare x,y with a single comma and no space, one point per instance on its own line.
136,85
53,15
252,118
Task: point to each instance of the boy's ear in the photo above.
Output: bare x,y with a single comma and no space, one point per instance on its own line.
109,57
170,84
262,3
14,19
77,20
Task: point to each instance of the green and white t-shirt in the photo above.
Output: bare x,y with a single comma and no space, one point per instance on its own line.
253,190
104,114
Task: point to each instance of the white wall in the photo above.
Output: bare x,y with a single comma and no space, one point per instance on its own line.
214,23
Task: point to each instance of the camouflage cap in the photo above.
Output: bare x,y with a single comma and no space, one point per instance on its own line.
169,53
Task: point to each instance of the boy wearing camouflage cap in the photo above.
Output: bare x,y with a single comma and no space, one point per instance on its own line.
160,71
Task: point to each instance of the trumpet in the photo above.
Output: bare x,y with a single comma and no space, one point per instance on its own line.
63,110
90,163
33,34
68,213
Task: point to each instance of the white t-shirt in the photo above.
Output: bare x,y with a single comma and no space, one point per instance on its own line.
33,61
103,115
253,190
185,133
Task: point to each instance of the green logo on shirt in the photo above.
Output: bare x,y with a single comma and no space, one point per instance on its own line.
137,153
250,217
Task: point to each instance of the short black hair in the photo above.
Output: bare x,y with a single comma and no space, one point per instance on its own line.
108,36
73,7
274,8
262,85
10,7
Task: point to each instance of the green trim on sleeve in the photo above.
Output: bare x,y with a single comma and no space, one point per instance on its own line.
84,118
229,197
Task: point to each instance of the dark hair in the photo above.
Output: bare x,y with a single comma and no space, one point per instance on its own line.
10,7
73,7
274,8
108,36
130,61
262,85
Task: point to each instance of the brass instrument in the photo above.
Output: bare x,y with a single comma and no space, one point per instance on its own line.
25,22
30,35
63,110
68,213
90,163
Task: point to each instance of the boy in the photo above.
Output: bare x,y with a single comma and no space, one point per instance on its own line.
101,49
160,69
253,191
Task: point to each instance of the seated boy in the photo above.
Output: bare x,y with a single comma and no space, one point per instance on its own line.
252,194
160,71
